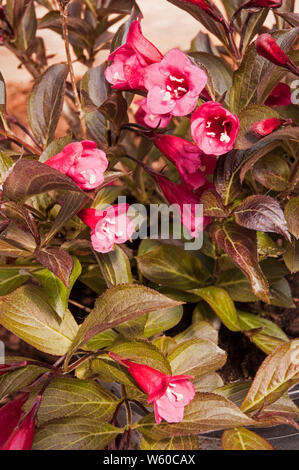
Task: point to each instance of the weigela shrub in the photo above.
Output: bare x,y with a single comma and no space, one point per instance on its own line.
214,127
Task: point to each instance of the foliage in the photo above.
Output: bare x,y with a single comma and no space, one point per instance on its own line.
143,289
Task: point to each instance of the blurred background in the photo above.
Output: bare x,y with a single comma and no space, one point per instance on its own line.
164,24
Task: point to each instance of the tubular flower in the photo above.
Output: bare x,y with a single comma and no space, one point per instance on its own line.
267,47
10,415
214,128
173,85
169,394
129,61
22,436
83,162
192,164
108,227
186,203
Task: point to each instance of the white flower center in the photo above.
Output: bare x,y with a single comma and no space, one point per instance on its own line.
171,393
224,137
167,96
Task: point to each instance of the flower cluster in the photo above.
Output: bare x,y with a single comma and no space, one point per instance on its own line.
173,85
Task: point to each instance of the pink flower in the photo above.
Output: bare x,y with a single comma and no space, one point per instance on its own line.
174,84
82,162
169,394
267,126
187,204
192,164
280,96
130,60
108,227
214,128
10,415
144,117
267,47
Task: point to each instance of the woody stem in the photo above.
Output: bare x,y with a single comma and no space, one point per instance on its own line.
64,15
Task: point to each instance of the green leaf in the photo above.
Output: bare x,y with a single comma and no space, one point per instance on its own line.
291,256
256,77
291,213
10,279
109,370
248,322
162,320
278,372
172,266
241,246
102,340
272,171
196,357
226,175
92,278
78,433
172,443
222,304
213,205
118,305
115,267
30,177
266,145
208,382
242,439
6,161
45,102
261,213
26,30
26,313
67,397
94,89
70,206
19,379
248,116
198,330
218,71
55,147
56,291
206,412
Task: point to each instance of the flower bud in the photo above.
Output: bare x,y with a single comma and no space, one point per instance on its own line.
280,96
267,126
267,47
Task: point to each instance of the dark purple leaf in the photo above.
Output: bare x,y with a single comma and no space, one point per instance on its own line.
241,246
263,214
58,261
